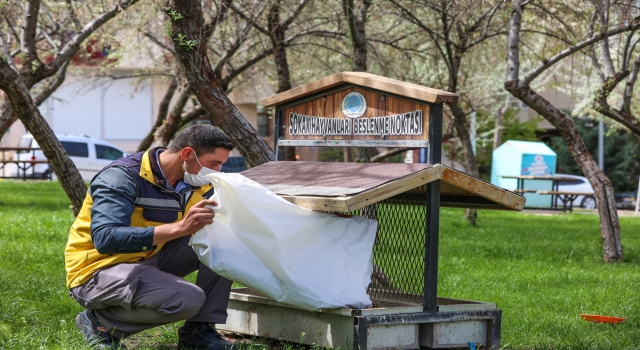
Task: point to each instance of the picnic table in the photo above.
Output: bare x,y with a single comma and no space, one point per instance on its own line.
566,197
24,169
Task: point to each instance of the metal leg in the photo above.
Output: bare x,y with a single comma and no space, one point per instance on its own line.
360,334
494,327
430,300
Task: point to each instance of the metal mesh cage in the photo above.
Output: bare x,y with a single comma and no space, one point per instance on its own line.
399,248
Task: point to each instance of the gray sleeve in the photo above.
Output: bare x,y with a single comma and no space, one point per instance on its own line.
113,192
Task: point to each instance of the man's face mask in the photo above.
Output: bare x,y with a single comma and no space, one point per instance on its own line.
198,179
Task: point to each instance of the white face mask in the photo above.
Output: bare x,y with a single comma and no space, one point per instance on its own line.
198,179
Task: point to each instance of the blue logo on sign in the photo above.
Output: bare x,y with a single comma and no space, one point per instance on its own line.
354,105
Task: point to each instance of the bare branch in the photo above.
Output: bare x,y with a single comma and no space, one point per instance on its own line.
489,15
232,50
73,45
436,38
626,55
513,43
221,14
555,59
253,22
158,42
320,33
49,90
556,17
28,43
5,50
163,110
628,89
72,14
609,70
294,14
592,49
248,64
51,42
193,113
601,105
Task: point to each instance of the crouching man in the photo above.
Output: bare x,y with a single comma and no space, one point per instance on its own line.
128,249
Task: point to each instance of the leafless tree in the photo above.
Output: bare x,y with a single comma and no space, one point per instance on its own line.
190,45
520,88
17,102
454,28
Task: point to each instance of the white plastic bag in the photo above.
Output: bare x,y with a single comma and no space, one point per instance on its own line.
308,259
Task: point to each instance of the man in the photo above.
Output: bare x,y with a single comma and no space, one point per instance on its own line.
128,249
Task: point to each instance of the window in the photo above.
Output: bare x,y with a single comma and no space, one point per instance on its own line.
76,149
106,152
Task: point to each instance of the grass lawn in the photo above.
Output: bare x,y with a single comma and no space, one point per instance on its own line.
542,271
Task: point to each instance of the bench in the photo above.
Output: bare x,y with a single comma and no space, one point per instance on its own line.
565,197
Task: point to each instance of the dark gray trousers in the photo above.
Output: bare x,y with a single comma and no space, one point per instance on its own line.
130,297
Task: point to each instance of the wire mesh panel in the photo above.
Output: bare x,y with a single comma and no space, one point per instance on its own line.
398,252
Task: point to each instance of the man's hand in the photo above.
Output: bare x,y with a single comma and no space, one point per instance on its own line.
196,218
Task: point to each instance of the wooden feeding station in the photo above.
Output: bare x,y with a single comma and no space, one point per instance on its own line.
364,110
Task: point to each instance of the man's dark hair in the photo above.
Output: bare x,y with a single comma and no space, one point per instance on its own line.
203,138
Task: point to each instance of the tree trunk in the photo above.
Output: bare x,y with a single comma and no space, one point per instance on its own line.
603,190
460,124
186,20
163,135
26,110
357,27
276,34
163,110
497,133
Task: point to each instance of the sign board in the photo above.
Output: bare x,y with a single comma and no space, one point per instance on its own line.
360,110
356,114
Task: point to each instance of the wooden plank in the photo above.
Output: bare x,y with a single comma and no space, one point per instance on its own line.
393,86
566,192
338,204
393,188
538,177
481,188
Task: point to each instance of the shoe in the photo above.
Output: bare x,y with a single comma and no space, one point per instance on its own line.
94,333
204,337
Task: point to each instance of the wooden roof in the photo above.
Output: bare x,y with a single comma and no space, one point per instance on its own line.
344,187
366,80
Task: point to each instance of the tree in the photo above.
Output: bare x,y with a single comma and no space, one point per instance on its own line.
17,101
276,32
520,88
456,28
357,20
59,40
189,42
24,107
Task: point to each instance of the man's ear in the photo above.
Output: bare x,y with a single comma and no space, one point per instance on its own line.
186,153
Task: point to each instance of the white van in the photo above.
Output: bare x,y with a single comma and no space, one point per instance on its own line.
88,154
